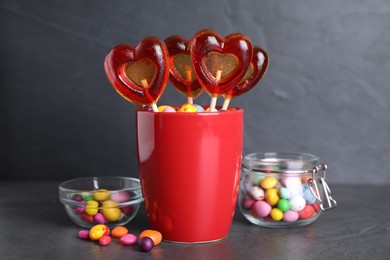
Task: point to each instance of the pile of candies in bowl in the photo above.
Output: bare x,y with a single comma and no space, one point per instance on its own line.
101,200
281,190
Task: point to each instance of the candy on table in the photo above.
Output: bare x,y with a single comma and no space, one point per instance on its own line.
181,71
155,235
146,244
219,63
101,234
83,234
256,71
139,73
104,240
98,231
128,240
119,231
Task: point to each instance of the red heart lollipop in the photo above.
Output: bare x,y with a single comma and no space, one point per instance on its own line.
182,74
219,63
139,73
256,71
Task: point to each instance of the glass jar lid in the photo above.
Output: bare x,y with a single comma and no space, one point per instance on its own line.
270,162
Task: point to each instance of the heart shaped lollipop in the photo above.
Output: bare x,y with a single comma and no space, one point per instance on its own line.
139,73
256,71
182,74
219,63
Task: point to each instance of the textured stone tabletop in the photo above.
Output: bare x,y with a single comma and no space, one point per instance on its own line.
34,226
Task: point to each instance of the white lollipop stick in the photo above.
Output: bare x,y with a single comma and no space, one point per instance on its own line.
213,102
145,85
190,100
226,103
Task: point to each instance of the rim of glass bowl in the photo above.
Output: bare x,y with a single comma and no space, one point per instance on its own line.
281,163
67,201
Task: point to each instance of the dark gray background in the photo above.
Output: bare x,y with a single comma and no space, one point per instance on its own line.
326,91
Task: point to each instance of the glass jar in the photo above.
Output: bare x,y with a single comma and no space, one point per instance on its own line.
280,190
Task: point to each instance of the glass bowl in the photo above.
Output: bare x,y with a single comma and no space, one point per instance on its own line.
101,200
282,190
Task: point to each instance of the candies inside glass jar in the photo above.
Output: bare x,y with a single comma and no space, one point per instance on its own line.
283,189
101,200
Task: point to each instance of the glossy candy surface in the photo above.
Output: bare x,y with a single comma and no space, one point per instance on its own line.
257,193
83,234
119,231
307,212
268,182
153,234
99,218
220,62
91,207
292,185
139,73
187,108
112,201
182,74
128,240
110,211
104,240
261,208
276,214
287,201
199,176
101,195
255,72
98,231
145,244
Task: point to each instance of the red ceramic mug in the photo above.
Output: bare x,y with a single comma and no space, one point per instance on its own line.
189,166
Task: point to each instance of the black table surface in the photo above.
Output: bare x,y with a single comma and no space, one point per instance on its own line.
34,226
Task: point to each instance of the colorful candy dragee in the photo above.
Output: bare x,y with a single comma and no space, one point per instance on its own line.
147,239
102,206
221,66
268,199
